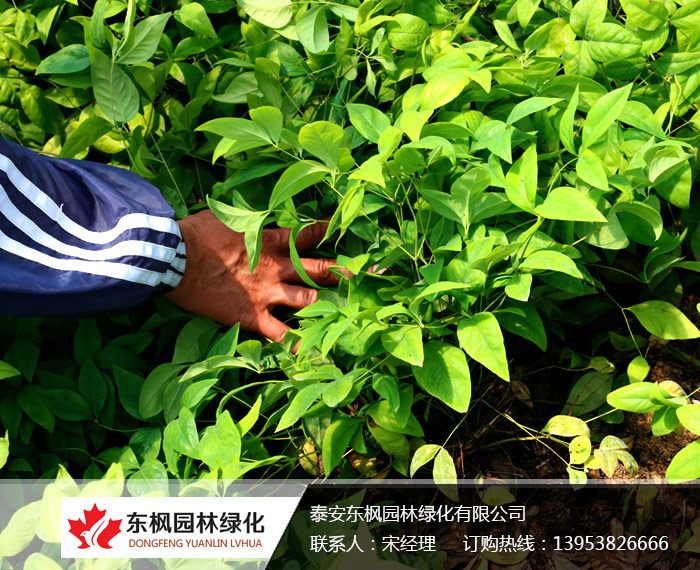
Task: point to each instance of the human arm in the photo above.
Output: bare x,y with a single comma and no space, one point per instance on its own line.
84,238
78,237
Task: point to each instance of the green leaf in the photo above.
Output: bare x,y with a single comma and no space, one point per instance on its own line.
524,320
368,121
324,140
407,32
603,114
7,370
95,29
576,477
181,435
566,126
151,398
193,46
685,465
337,390
689,415
643,212
151,477
296,178
4,449
336,440
443,87
114,91
588,393
503,31
301,402
549,260
70,59
387,388
640,116
638,369
611,42
687,17
196,392
664,421
445,375
194,16
635,397
270,119
566,203
143,41
444,471
247,222
676,189
146,443
587,14
530,106
591,170
423,455
44,21
519,286
271,13
521,180
411,123
664,320
578,59
21,529
388,142
579,449
31,401
674,63
312,29
405,343
247,422
644,14
496,136
248,134
392,443
39,109
371,171
194,339
129,387
439,287
221,443
481,338
92,386
87,133
567,426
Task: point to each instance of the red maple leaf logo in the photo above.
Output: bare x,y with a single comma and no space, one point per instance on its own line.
94,530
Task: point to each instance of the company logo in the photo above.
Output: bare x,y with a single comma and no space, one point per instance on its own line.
95,529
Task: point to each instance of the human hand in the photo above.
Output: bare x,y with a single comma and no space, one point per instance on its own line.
218,284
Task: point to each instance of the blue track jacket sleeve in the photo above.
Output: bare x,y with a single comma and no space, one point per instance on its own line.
81,238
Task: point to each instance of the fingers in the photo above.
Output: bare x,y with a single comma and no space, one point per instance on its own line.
272,328
292,296
311,236
317,269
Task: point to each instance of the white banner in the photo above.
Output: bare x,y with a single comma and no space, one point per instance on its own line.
174,527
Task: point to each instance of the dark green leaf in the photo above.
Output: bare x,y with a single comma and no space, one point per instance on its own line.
70,59
114,91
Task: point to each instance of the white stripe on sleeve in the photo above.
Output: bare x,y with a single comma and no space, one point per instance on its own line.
103,268
121,249
42,200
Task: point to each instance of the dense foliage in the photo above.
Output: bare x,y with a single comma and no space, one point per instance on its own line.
522,169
